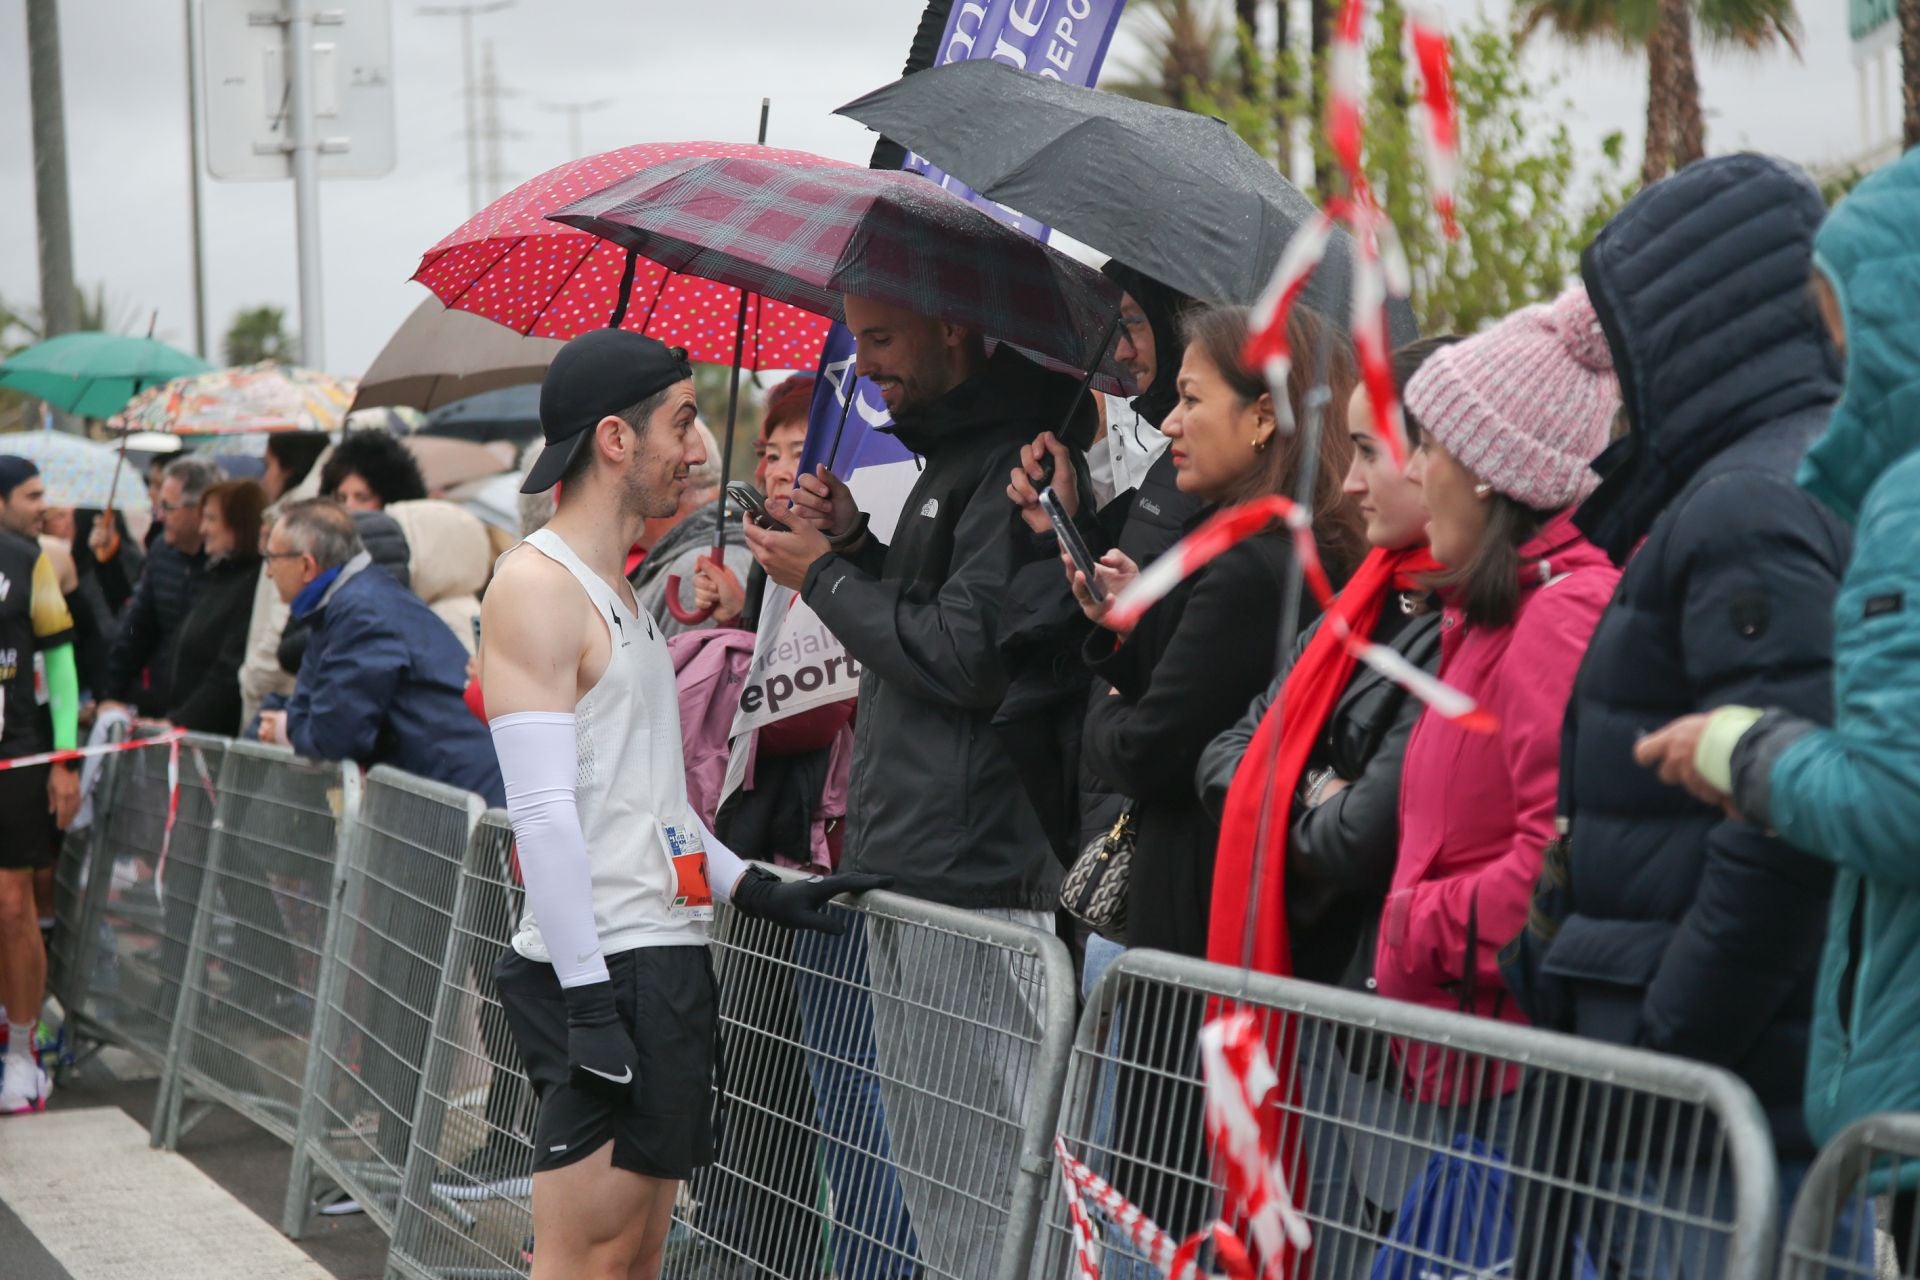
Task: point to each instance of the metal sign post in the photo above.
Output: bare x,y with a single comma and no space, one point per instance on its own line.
305,149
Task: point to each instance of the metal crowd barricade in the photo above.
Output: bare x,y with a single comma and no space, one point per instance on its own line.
1868,1176
889,1096
401,868
254,958
136,891
78,895
465,1210
1533,1154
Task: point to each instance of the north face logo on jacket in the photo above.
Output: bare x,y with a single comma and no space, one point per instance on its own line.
930,508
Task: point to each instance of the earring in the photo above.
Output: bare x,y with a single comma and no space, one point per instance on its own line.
1482,490
1259,445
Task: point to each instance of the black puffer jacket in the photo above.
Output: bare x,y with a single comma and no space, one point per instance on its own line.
1681,930
936,800
1340,853
142,654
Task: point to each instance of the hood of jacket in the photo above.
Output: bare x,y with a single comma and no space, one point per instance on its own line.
1701,286
1162,307
1869,251
450,554
1010,388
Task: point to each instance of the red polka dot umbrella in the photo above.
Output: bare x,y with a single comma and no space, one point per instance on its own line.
539,278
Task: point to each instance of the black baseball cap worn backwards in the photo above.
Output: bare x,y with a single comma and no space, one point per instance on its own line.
597,373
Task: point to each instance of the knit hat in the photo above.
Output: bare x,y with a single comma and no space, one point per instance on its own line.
1527,405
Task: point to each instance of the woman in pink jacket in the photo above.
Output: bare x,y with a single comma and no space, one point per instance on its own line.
1511,419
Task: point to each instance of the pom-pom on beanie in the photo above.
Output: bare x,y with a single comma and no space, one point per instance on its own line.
1527,405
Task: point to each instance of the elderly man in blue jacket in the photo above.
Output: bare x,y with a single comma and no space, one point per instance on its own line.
382,679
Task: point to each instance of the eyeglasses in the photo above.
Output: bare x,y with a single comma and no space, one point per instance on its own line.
1132,323
281,555
168,508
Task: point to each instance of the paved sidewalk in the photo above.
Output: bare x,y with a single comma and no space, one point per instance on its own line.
82,1197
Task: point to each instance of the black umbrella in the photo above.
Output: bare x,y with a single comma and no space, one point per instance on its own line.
511,413
1176,195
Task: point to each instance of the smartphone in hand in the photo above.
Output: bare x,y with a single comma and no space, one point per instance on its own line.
1070,538
749,499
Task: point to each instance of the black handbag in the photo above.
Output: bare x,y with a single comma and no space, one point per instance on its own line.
1095,890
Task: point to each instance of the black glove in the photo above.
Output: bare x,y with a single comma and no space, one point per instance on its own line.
800,904
600,1054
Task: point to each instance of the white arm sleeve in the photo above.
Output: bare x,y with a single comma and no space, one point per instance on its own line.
724,866
538,765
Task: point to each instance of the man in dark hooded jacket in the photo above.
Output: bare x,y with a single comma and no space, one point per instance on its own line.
1681,929
936,800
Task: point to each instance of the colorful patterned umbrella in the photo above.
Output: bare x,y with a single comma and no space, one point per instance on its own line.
511,265
94,374
79,472
268,396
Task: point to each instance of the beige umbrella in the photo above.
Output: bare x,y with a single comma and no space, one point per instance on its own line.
439,356
446,463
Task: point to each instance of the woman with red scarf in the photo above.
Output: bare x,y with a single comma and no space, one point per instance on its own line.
1328,738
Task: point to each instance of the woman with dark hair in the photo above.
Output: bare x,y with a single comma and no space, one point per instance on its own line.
213,636
1335,731
370,471
1181,676
1191,665
290,456
1510,421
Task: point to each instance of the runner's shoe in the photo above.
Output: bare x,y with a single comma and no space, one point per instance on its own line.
496,1170
24,1087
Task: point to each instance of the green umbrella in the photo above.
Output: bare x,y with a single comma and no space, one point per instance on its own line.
95,374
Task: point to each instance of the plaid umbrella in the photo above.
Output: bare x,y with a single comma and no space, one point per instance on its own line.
268,396
511,265
803,236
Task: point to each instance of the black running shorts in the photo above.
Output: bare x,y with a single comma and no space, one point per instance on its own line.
26,827
669,1002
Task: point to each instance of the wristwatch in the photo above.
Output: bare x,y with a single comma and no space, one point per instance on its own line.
1317,780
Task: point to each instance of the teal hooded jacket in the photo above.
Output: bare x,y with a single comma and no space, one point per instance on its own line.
1851,793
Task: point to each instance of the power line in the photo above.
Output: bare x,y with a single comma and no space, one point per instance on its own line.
493,178
469,94
573,111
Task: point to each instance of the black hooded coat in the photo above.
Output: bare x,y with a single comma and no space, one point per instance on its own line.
1680,929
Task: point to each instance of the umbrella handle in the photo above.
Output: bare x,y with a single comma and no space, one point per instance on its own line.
682,614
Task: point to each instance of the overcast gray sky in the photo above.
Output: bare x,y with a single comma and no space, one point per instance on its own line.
673,71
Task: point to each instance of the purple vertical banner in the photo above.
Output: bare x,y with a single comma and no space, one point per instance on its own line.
1063,39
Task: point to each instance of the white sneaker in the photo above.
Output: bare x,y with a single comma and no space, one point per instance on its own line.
25,1088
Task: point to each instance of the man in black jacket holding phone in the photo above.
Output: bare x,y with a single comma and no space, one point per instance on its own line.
935,801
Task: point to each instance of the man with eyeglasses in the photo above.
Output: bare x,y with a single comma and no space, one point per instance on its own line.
142,652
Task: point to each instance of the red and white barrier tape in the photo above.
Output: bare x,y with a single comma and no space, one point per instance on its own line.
1238,1079
1235,525
1427,33
84,753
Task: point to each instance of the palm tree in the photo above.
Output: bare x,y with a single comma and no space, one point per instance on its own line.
1190,52
1676,125
1910,69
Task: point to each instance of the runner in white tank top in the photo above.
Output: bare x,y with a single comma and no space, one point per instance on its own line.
608,989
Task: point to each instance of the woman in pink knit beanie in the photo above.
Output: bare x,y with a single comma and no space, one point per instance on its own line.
1510,421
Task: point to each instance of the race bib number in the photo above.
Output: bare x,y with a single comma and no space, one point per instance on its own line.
690,897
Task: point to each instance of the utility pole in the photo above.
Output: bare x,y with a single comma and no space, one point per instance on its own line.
193,183
306,181
493,175
58,297
466,13
573,111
